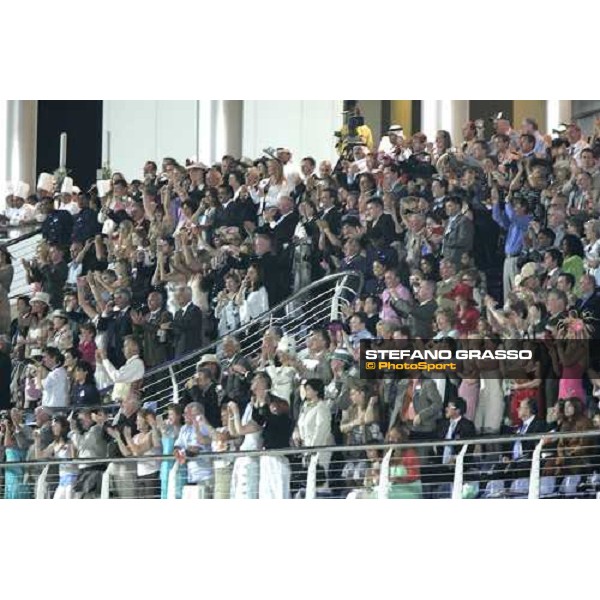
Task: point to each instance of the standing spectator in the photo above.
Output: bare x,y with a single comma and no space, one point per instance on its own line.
187,324
145,443
55,384
156,342
313,427
89,441
515,220
202,390
193,439
459,232
394,290
123,473
116,325
61,447
84,392
128,378
252,297
6,277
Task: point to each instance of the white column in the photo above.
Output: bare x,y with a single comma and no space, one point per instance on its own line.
460,115
3,153
449,115
430,118
20,138
557,111
233,114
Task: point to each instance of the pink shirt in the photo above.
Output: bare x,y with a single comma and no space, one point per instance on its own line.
387,312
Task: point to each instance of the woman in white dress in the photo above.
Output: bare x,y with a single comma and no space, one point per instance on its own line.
245,477
273,187
283,377
252,297
314,422
61,447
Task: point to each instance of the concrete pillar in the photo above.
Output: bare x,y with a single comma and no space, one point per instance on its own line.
233,114
21,141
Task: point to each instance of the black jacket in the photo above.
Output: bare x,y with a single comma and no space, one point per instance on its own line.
208,398
117,326
187,330
57,227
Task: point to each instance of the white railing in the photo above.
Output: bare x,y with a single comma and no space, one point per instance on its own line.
22,247
475,472
315,306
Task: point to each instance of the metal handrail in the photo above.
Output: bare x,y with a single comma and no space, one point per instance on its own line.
22,238
261,318
314,449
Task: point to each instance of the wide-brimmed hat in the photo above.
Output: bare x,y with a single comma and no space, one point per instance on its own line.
60,314
41,297
208,358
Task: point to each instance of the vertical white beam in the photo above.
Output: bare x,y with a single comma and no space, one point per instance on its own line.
4,179
557,111
429,118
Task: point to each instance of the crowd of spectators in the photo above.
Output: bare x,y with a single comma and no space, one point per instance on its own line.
482,239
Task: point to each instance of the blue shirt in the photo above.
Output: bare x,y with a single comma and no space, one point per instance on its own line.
516,225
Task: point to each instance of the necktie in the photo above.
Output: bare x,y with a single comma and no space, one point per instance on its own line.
448,450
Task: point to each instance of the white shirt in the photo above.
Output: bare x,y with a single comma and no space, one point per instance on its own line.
198,469
55,389
518,448
132,371
449,450
314,424
254,305
18,215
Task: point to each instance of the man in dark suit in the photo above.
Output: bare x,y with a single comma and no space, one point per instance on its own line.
516,459
381,229
285,226
454,427
230,215
420,314
155,340
589,302
187,324
353,259
117,325
459,233
202,389
283,232
274,270
238,373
